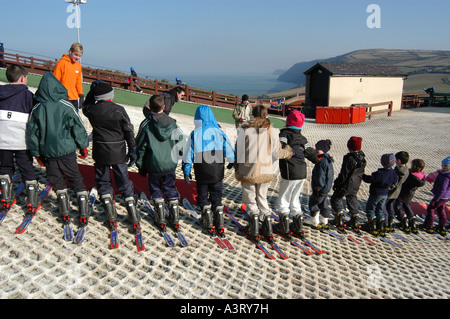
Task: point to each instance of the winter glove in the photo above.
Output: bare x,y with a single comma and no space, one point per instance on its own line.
83,153
132,155
142,173
187,179
41,161
298,152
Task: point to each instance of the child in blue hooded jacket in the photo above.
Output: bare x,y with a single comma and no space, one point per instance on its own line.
206,150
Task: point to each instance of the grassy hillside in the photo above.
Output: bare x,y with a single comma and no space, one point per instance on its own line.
425,68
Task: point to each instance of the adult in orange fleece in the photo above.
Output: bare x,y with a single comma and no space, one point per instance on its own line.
69,72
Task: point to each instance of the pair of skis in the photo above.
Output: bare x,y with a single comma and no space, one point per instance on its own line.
222,241
296,244
257,241
30,215
79,237
167,238
114,237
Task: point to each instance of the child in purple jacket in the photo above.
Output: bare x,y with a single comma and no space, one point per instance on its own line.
441,192
380,182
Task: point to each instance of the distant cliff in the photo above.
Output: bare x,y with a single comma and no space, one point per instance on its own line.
422,66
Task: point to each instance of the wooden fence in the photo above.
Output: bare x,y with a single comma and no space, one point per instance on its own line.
39,66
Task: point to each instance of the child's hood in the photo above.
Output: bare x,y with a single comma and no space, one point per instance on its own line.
162,127
50,89
205,117
419,175
9,90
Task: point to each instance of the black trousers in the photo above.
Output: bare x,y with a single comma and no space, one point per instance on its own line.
215,194
352,203
161,185
59,170
120,172
24,162
318,202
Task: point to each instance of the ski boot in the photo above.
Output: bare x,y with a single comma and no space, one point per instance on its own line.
64,205
208,220
283,226
373,227
83,206
253,227
174,214
267,228
219,221
323,223
382,227
6,188
354,224
160,213
32,196
404,224
441,230
297,226
313,220
390,226
339,220
130,204
413,225
110,211
64,210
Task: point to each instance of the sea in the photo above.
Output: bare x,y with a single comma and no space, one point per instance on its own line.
236,84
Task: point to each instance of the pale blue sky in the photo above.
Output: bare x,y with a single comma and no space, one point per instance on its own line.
220,36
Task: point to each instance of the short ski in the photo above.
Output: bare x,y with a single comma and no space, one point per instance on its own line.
180,236
222,242
68,232
269,240
29,216
307,242
339,237
398,236
317,250
79,237
187,205
294,243
167,238
138,238
113,236
390,242
7,207
256,242
353,240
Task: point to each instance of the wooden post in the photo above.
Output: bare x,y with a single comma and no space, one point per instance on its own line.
32,64
156,87
214,98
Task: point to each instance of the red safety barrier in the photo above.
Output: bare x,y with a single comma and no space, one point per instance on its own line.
340,115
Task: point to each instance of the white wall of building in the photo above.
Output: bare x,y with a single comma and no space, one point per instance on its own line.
347,90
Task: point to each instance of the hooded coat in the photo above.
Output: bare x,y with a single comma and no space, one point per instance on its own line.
207,148
16,103
54,129
258,151
322,174
112,132
295,168
350,176
160,144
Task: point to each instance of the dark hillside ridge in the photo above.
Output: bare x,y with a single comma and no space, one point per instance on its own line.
412,62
